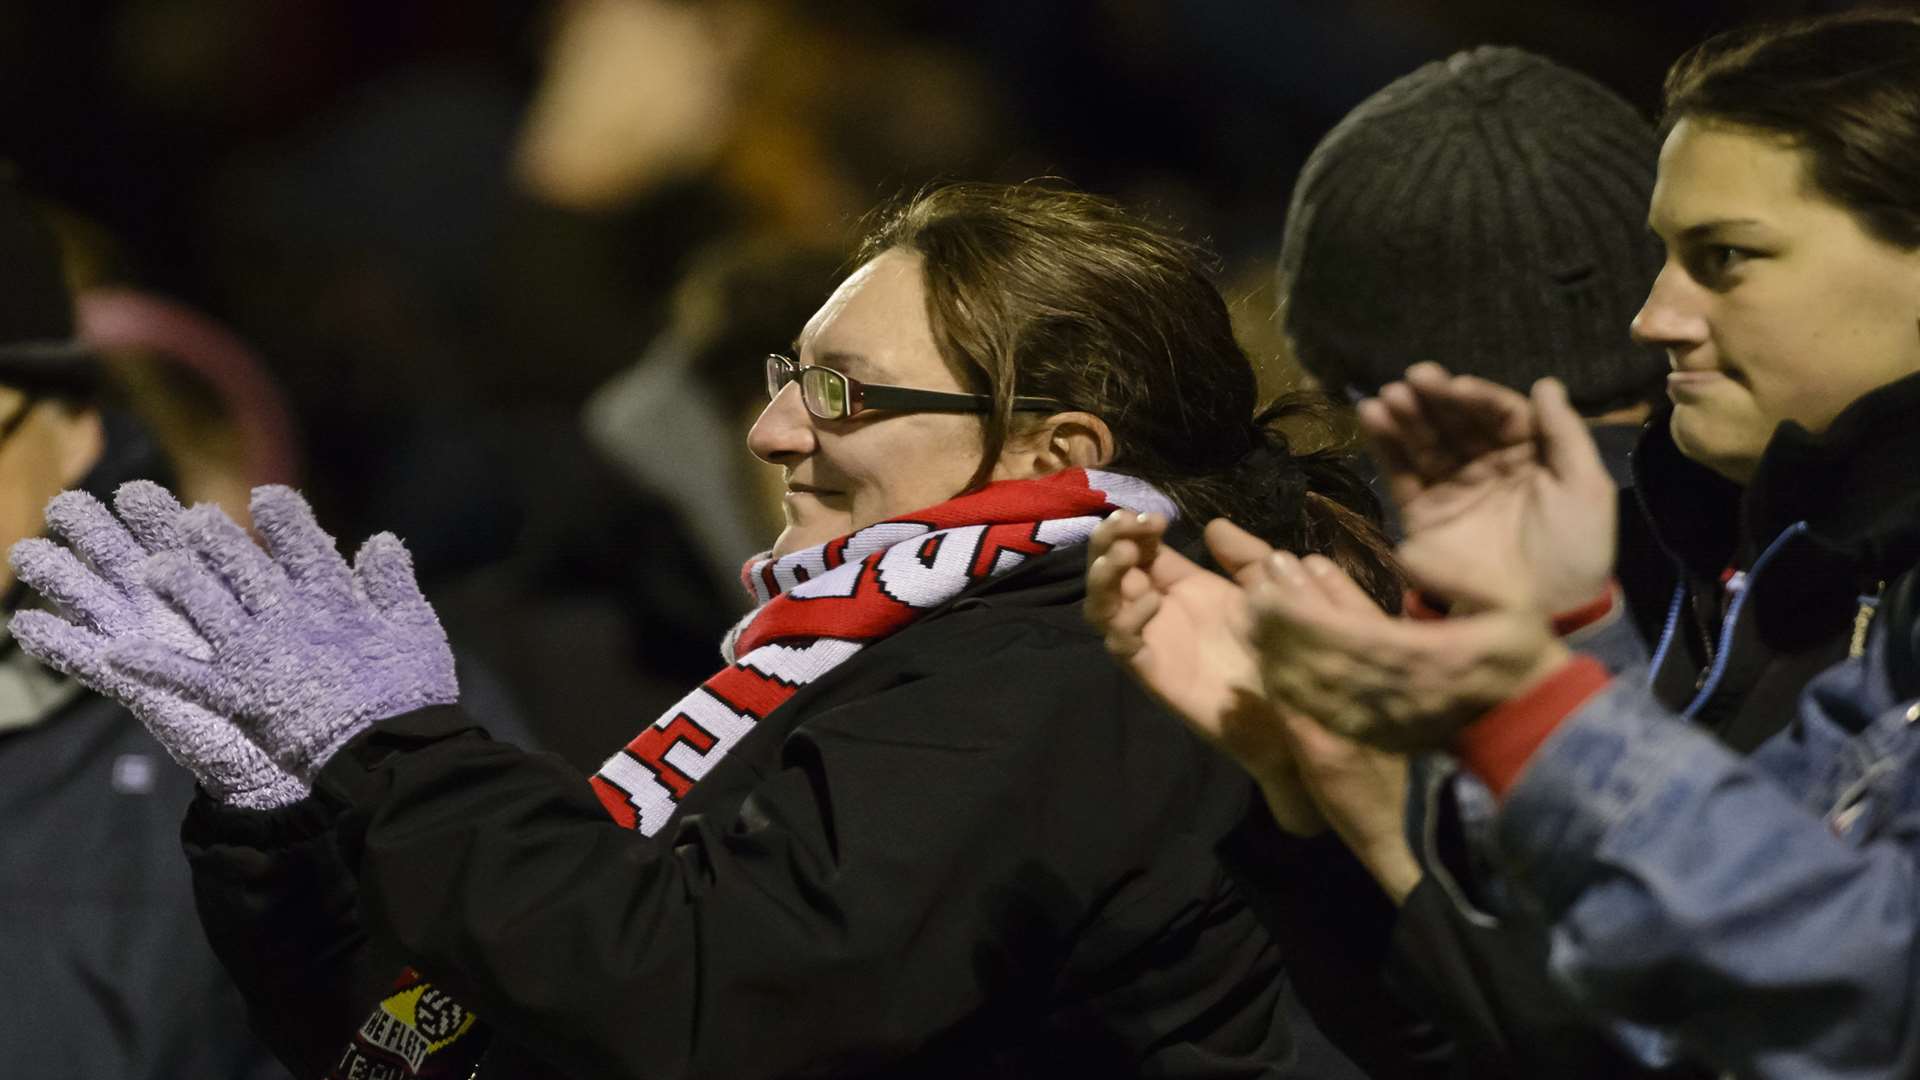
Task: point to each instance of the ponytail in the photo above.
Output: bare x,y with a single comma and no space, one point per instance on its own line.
1307,503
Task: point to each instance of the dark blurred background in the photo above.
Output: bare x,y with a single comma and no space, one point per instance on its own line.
508,266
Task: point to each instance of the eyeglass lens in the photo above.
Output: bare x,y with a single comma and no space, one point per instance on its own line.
825,393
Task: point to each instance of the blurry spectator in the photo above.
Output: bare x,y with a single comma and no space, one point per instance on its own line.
637,93
754,97
217,415
108,973
676,421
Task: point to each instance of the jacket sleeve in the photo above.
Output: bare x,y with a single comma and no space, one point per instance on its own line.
1698,894
1461,955
279,907
911,857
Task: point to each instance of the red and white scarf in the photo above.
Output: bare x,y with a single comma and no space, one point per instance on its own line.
817,608
820,606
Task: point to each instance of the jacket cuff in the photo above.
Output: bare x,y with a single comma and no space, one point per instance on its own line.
353,775
210,822
1450,826
1497,746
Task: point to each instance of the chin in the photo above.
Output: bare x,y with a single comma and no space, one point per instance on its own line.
1732,452
799,537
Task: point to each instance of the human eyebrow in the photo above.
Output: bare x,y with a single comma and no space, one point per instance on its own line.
846,363
1706,229
1703,229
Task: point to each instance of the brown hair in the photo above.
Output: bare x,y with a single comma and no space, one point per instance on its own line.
1844,88
1038,290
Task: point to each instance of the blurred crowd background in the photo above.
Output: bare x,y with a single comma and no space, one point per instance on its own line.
498,274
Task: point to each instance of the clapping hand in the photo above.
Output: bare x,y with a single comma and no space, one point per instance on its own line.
1399,684
1186,633
1504,499
99,596
304,652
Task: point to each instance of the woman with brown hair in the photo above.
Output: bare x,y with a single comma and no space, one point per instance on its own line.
919,825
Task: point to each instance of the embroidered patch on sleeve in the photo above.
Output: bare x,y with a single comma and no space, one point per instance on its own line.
416,1033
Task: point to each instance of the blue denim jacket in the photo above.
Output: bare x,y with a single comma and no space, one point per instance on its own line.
1756,914
1759,914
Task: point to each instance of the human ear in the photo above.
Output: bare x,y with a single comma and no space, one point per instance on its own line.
1064,440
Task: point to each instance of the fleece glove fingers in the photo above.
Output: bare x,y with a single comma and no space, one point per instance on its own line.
305,652
100,597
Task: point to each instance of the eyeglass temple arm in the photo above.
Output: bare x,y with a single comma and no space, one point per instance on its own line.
900,397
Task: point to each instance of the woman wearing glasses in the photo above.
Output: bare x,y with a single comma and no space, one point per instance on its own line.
918,825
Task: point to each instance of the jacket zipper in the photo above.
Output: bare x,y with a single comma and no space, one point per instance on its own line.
1719,666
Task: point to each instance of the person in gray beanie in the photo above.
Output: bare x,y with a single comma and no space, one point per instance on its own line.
1486,211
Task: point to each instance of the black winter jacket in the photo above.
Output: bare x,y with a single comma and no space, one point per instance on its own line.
974,849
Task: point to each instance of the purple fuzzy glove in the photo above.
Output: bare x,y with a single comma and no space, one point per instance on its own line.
104,599
306,653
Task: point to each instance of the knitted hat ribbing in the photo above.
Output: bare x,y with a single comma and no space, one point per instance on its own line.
1486,211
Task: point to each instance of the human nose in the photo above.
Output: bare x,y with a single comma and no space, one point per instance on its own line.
1671,317
784,432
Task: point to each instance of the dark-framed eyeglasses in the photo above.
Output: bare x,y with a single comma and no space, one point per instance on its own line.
831,395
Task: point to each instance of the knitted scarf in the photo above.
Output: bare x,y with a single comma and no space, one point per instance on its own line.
817,608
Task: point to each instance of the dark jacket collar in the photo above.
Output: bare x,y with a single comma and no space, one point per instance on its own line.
1856,489
1692,511
1857,486
1616,443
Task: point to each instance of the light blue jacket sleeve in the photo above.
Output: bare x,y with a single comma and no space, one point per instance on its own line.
1760,912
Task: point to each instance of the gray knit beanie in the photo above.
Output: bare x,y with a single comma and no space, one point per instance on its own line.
1486,212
